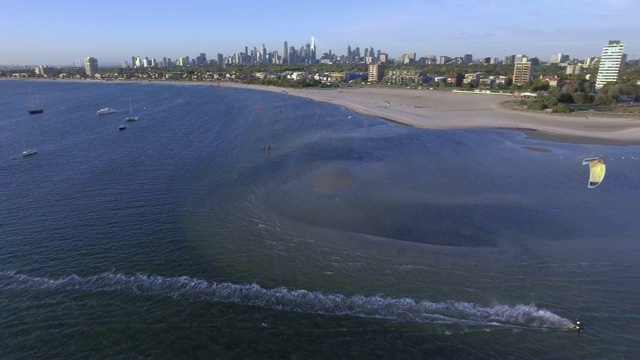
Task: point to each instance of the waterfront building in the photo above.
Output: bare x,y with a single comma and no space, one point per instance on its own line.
91,66
610,62
376,72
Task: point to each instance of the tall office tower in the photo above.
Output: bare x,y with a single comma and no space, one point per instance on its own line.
201,59
468,58
285,54
366,52
133,61
91,66
610,62
521,72
349,55
292,55
313,50
124,63
138,62
220,59
307,53
164,61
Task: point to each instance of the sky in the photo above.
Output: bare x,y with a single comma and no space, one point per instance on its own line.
57,32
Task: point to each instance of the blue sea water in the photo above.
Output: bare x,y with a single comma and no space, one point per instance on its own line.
234,223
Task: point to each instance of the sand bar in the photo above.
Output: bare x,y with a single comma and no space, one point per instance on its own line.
435,109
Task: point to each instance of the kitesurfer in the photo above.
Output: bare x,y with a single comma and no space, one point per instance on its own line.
577,327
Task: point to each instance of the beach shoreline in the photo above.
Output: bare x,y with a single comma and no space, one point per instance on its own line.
442,110
436,109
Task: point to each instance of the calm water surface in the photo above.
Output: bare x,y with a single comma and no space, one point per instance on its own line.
350,237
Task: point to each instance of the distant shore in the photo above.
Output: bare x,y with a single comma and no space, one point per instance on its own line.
434,109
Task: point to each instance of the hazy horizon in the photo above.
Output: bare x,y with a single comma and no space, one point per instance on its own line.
112,32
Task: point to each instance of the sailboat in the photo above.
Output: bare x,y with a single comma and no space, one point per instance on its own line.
34,109
131,117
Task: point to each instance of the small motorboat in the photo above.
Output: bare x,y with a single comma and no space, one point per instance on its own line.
105,111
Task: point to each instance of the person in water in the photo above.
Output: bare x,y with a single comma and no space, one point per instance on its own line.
577,327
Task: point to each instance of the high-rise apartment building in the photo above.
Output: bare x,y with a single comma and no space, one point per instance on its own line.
91,66
376,72
521,72
610,62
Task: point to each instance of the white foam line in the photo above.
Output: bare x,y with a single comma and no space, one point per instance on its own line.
304,301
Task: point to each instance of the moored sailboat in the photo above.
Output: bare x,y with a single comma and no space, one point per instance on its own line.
131,117
35,109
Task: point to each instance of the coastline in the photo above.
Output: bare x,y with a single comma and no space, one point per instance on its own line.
434,109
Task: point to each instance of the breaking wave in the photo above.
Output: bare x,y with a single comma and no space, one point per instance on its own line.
405,309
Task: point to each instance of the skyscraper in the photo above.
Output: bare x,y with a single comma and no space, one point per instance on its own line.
285,54
91,66
313,50
610,63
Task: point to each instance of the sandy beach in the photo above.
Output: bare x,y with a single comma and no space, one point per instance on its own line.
433,109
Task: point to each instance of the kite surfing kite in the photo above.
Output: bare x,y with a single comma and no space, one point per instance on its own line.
597,168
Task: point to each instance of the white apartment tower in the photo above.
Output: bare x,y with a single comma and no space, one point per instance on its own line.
610,63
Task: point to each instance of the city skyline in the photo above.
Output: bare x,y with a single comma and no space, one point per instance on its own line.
112,31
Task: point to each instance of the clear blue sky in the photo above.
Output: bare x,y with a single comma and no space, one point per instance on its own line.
56,32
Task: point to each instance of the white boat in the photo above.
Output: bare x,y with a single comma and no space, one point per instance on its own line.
106,110
122,127
29,152
131,117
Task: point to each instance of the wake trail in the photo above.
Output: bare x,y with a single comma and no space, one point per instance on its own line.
304,301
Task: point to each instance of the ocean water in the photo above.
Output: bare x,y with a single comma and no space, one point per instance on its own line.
233,223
